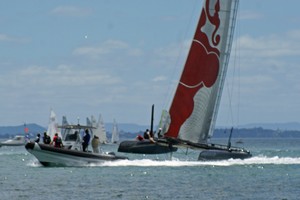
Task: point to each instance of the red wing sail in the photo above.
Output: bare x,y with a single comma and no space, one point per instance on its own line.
194,103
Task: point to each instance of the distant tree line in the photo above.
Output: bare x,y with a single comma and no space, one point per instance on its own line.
218,133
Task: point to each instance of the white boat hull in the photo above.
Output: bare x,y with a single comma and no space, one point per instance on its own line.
16,141
52,156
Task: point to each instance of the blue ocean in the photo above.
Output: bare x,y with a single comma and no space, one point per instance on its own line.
272,173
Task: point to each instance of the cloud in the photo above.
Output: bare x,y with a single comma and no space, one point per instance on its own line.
107,47
36,78
173,50
8,38
91,51
294,34
64,87
4,37
159,78
250,15
269,46
273,56
71,11
263,77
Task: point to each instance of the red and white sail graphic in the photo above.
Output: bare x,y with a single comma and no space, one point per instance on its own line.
196,99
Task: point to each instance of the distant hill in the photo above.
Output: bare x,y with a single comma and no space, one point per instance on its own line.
256,133
8,131
274,126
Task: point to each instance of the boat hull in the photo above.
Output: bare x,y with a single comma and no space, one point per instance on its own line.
12,144
16,141
210,155
48,155
144,147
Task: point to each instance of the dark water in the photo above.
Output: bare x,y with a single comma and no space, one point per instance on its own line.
273,173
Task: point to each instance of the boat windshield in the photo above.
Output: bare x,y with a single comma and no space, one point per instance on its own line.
72,137
72,132
18,138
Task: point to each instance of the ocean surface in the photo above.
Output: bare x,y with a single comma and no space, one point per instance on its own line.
272,173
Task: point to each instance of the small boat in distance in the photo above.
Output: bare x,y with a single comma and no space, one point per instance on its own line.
240,141
18,140
48,155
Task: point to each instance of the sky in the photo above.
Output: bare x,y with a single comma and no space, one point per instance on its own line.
117,58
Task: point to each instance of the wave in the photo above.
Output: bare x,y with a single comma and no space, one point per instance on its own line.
34,163
12,153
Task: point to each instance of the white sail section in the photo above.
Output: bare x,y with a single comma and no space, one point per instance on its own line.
164,122
53,125
66,132
100,129
196,100
115,133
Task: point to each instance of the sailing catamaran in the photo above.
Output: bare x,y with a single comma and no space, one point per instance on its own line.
191,118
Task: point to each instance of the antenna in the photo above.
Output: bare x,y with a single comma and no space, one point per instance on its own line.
152,119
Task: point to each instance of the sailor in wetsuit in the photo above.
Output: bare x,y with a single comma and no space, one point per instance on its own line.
149,136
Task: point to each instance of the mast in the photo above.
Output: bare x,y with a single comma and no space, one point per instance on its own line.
229,139
152,119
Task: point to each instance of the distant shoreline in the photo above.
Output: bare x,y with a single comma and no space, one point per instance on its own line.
129,131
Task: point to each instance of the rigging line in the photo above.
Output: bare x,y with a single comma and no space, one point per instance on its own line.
236,69
173,85
237,65
239,68
230,94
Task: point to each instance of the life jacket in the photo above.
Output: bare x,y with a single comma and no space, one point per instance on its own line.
37,140
58,142
140,138
47,139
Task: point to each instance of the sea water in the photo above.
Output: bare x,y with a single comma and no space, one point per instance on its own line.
272,173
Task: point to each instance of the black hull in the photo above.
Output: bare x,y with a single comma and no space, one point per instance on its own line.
48,155
211,155
144,147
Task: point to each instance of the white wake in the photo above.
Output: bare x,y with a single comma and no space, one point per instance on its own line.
259,160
